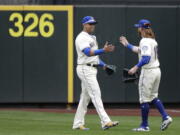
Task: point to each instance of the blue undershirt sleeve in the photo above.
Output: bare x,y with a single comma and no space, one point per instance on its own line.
98,51
143,61
87,51
101,63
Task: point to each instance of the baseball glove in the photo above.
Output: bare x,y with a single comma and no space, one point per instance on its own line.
110,69
127,78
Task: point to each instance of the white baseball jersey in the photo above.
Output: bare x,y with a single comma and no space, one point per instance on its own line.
85,40
149,47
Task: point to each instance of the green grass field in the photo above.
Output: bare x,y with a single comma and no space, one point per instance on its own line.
43,123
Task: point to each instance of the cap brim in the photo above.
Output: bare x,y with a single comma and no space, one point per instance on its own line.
136,25
93,22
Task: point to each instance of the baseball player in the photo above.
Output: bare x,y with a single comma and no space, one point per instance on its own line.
150,74
87,63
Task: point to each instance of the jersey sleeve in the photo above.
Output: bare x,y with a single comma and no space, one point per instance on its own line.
145,48
83,43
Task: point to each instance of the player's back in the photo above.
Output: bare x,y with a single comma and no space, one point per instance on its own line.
149,47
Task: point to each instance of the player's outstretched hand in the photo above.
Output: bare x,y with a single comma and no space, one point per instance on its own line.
108,47
123,41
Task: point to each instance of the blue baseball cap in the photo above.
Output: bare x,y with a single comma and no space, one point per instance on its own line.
143,23
88,20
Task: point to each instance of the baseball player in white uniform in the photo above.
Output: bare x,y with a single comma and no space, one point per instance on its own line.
150,74
87,62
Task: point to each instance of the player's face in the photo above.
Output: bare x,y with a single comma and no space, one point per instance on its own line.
90,28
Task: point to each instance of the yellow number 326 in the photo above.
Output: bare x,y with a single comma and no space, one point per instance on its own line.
44,22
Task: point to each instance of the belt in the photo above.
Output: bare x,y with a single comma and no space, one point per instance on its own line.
92,65
151,68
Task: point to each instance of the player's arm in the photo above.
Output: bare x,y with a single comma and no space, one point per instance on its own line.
145,53
125,43
146,57
102,63
133,48
144,60
90,52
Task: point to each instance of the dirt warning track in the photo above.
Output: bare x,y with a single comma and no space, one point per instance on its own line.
113,112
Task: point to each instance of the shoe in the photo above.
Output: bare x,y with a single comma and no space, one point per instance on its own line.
110,124
82,128
166,123
141,129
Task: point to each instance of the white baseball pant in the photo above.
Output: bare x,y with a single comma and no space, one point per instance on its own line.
90,91
149,84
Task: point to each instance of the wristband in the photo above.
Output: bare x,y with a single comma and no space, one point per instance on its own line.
130,46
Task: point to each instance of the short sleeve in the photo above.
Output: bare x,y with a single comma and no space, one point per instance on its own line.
145,49
82,44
